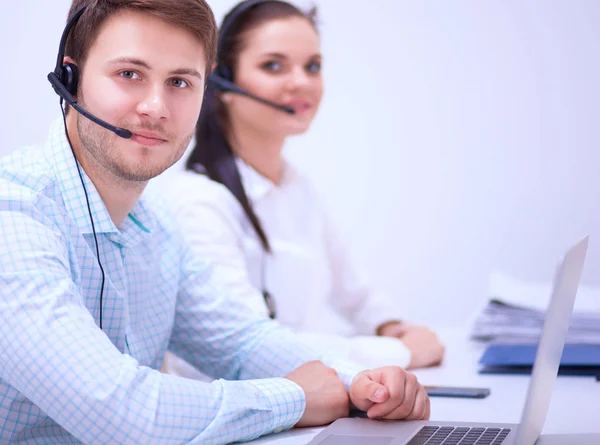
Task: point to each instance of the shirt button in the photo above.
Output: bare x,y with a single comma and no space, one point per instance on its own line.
278,429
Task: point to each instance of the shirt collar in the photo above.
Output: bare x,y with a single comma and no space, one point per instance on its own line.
138,225
258,186
139,221
66,172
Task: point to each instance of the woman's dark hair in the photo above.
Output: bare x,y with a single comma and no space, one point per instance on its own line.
212,153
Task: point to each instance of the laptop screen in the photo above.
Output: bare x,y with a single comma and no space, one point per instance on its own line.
552,341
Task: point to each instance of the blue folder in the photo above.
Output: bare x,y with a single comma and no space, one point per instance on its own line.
577,359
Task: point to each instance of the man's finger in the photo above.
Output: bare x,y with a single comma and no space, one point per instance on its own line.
403,389
420,407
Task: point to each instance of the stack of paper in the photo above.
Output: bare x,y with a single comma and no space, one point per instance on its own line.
516,313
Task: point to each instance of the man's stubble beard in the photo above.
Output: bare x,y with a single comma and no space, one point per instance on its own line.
98,144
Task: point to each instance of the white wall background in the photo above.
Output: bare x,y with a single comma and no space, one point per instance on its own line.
454,138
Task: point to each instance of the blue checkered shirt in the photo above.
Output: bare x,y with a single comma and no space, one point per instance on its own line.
65,381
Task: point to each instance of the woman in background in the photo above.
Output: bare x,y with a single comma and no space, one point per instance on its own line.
258,220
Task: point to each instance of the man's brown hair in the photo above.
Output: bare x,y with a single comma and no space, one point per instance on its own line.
192,15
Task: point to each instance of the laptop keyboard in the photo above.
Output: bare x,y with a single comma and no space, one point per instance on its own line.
447,435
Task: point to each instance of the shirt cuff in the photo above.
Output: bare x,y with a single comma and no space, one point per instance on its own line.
286,400
370,325
345,369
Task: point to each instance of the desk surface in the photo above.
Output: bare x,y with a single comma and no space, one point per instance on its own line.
573,409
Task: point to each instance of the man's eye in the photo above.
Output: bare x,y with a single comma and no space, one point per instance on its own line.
179,83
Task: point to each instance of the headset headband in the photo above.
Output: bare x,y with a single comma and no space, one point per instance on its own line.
228,22
63,39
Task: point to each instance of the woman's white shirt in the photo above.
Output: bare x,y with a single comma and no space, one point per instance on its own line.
318,288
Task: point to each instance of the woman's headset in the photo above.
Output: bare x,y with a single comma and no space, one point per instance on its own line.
221,78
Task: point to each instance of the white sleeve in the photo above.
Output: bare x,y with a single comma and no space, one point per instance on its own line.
367,350
352,294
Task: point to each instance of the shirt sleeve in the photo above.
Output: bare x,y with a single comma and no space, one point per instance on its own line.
55,356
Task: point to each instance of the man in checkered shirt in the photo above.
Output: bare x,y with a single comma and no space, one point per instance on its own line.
96,283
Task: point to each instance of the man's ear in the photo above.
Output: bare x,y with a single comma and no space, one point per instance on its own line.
68,59
226,97
212,69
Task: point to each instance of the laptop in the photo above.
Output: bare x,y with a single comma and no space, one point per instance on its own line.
361,431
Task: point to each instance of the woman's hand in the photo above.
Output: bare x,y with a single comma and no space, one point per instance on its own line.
423,344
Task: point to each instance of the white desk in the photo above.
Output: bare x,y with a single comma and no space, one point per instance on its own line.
575,406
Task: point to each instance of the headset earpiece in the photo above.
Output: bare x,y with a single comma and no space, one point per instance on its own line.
229,20
223,72
222,84
65,77
69,77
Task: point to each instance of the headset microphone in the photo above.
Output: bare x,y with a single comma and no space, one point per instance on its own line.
68,97
224,85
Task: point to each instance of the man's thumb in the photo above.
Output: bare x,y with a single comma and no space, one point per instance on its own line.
377,393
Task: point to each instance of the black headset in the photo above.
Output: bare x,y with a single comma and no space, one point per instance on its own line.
222,78
65,80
